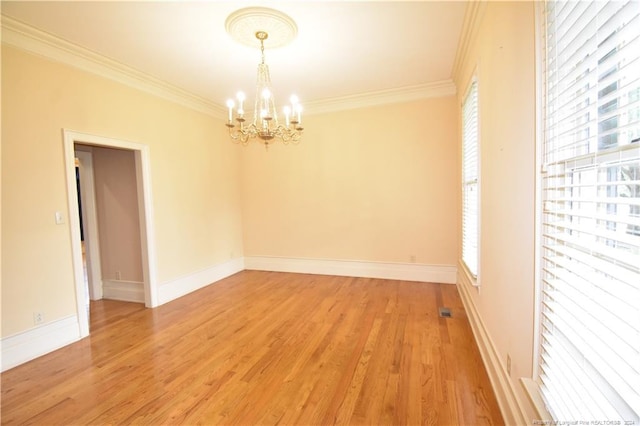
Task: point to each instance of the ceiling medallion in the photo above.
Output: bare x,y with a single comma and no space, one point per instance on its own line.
243,24
253,26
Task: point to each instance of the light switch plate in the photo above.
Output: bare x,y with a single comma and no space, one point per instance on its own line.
59,218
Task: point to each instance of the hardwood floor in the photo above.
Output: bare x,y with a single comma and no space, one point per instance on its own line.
266,348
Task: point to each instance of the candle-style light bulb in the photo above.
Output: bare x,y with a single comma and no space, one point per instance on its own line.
230,105
241,97
266,95
287,113
299,113
295,117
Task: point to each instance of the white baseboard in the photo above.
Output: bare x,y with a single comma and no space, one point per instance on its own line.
182,286
510,407
127,291
393,271
27,345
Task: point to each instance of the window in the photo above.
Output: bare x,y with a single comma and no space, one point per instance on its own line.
589,365
470,197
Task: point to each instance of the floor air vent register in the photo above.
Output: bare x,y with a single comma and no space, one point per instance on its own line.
444,312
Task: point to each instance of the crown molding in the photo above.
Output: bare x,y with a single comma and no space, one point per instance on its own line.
472,19
402,94
35,41
30,39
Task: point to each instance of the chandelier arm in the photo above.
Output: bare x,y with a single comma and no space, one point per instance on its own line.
235,136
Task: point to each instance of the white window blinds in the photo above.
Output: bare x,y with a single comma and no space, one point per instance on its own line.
470,179
590,224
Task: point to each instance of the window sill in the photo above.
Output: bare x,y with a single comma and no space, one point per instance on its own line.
468,277
535,397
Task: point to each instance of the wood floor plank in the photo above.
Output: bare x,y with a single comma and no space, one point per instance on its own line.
265,348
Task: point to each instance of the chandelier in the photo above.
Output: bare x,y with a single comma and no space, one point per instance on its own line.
264,126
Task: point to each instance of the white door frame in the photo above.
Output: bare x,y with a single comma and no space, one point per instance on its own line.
90,224
145,208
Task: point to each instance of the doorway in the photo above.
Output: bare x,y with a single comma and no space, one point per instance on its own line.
73,140
88,218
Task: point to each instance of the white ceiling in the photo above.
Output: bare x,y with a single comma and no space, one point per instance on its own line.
343,48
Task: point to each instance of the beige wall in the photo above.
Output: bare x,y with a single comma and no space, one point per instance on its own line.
503,55
195,176
357,188
372,184
117,210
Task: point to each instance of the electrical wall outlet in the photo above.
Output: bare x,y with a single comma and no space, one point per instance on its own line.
38,318
118,275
